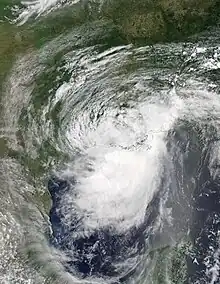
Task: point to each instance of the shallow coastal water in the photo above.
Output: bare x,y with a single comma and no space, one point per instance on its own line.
132,130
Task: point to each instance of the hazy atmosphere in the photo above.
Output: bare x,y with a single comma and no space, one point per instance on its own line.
109,142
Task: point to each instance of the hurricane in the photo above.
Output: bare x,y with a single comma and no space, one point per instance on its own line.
109,142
